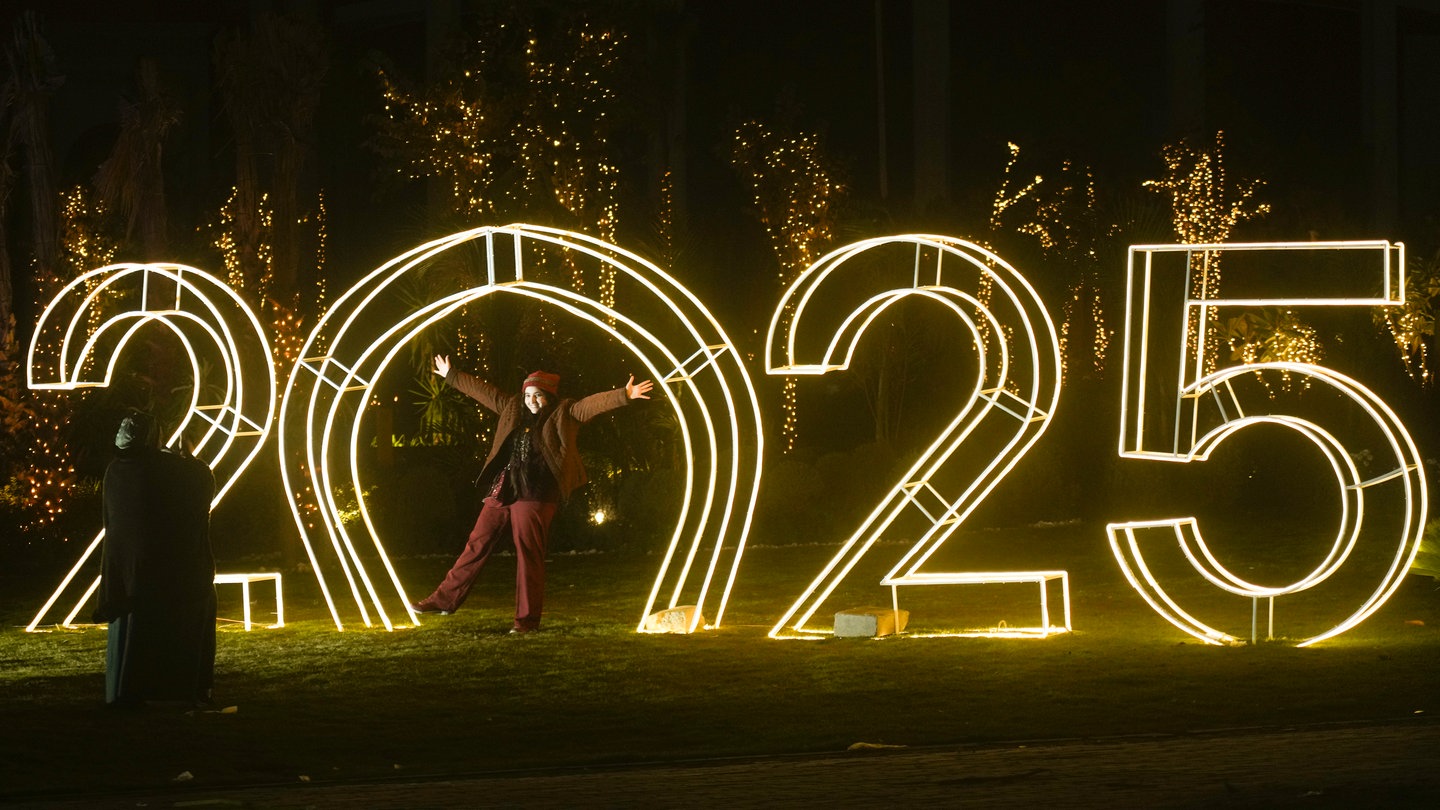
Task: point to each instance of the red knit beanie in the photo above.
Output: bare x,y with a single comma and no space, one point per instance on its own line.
545,381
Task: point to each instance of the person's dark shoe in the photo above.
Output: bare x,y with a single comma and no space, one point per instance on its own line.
426,606
520,631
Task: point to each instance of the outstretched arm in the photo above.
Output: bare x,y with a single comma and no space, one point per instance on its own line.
634,390
588,408
477,389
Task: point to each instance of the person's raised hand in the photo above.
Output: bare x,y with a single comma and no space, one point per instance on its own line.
636,390
442,365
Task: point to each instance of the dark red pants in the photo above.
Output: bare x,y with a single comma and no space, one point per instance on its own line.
528,522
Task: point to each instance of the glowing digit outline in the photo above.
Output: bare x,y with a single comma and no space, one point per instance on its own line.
343,358
1194,390
1029,414
75,338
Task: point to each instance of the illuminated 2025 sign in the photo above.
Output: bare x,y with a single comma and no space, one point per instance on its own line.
815,329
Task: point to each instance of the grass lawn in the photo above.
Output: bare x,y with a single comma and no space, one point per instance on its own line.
458,695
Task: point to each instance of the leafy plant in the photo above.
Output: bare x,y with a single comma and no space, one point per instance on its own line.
1427,561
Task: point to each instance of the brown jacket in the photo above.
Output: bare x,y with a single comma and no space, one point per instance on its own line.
557,433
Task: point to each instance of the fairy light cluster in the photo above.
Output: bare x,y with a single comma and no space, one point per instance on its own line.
1407,330
231,252
287,322
1083,306
1412,325
1274,335
1205,209
794,186
285,319
665,219
1064,222
1063,218
1007,196
499,146
49,479
83,244
1292,342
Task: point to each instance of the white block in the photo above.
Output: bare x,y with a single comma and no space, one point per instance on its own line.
673,620
869,622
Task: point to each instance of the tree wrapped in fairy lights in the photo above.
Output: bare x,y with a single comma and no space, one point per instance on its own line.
1412,325
1063,218
271,231
1204,209
795,187
519,123
40,473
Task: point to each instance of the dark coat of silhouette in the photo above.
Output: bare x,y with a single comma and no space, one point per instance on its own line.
157,577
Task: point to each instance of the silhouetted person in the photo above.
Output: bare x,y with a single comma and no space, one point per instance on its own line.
157,579
533,466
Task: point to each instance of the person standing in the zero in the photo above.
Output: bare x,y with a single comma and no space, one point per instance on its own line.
532,467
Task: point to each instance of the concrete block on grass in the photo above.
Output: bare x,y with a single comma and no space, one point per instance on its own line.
870,622
673,620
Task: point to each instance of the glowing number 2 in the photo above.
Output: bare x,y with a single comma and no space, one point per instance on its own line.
83,331
1209,407
1011,403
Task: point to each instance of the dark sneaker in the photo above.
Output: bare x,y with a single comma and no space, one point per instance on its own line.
426,606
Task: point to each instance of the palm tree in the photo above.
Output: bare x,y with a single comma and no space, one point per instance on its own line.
34,427
32,68
32,77
271,79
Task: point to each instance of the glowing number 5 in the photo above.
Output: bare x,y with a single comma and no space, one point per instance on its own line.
1209,406
1017,385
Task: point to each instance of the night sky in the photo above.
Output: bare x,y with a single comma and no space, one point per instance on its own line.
1096,83
1092,82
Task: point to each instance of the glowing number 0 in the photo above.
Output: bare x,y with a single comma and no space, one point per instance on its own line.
1011,403
666,328
83,331
1208,408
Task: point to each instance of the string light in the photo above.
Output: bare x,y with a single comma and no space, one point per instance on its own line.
1205,210
1062,216
794,186
285,319
504,148
48,480
1274,335
554,131
1005,196
1412,324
